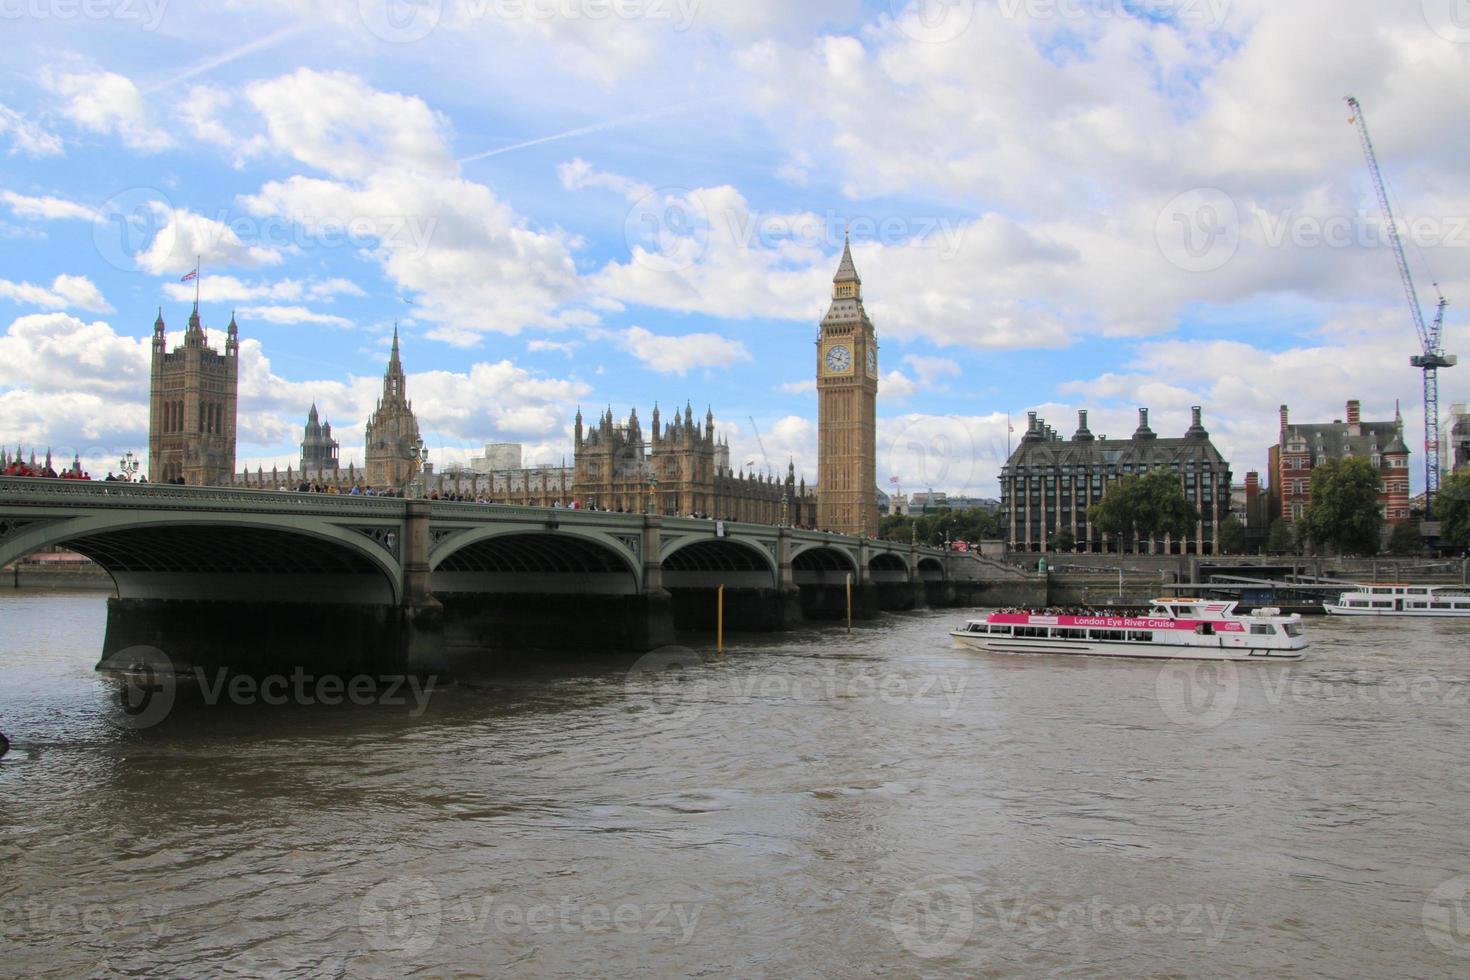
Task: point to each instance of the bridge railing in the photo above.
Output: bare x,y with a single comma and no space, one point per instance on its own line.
34,491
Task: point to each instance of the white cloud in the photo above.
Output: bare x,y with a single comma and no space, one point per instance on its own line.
335,122
567,347
224,289
26,138
106,102
578,174
292,315
184,237
679,354
897,386
931,369
65,293
805,387
46,208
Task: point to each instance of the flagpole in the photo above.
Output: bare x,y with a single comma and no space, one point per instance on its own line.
197,260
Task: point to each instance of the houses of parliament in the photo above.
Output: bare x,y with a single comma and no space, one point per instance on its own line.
680,466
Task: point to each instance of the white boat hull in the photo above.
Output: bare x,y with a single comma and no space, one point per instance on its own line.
1137,651
1334,610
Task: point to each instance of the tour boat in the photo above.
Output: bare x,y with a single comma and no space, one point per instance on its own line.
1440,601
1179,629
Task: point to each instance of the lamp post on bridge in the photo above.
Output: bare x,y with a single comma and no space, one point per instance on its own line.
128,466
418,456
652,493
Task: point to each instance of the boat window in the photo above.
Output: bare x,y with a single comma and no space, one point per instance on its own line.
1140,636
1205,629
1069,634
1293,629
1262,629
1382,605
1418,591
1109,636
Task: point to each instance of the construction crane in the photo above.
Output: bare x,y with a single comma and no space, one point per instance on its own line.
760,442
1433,356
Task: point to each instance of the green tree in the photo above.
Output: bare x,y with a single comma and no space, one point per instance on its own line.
1452,509
1279,538
1232,537
1152,505
1405,539
1063,540
1113,514
1344,515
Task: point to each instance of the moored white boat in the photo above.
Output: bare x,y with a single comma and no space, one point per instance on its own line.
1173,629
1432,601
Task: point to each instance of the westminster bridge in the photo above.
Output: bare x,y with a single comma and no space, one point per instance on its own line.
264,580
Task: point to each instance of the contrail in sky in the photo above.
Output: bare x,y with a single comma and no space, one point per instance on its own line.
583,130
209,64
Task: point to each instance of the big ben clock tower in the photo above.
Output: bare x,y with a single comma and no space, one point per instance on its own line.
847,409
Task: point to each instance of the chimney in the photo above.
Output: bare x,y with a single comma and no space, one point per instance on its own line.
1194,414
1354,412
1283,423
1252,483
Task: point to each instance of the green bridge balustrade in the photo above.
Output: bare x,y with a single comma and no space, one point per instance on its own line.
265,580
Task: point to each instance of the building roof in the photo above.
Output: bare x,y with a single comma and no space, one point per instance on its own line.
1042,446
1338,439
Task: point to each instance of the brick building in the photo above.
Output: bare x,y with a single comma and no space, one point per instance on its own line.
1049,482
1301,448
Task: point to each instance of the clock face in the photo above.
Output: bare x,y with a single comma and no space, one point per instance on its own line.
872,363
839,359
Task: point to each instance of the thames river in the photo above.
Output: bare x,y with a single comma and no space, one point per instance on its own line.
812,803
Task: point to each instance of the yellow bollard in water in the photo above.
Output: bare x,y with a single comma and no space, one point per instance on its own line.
849,602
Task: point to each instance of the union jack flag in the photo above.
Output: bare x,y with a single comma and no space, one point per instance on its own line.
191,275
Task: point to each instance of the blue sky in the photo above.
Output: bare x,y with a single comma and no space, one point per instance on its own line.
1055,204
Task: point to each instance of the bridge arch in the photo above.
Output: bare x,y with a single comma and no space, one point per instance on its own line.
820,564
210,556
931,569
888,566
532,560
712,562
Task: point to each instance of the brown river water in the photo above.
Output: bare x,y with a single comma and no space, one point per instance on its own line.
815,803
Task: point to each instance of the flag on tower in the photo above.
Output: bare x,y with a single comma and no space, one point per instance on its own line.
191,275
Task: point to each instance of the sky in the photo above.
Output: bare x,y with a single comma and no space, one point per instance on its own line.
1054,205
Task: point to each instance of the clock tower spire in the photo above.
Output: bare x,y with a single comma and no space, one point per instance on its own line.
847,403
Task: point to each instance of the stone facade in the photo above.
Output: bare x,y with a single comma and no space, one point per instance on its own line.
1456,456
1300,448
392,431
1048,483
193,393
685,465
847,400
319,459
